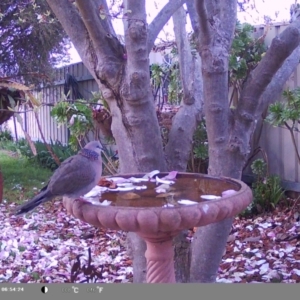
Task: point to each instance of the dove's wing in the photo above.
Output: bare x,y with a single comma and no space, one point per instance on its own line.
74,176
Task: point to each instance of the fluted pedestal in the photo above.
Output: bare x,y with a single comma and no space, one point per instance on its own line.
160,260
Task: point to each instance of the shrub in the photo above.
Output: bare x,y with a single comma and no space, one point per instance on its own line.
267,190
198,161
43,157
5,135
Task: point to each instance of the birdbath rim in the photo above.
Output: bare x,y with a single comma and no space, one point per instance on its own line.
164,220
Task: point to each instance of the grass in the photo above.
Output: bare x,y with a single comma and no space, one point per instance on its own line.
22,179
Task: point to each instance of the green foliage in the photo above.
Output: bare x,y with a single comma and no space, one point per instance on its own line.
199,157
10,146
22,178
200,143
43,157
157,73
32,40
175,92
246,52
77,116
287,114
282,112
267,190
168,75
5,135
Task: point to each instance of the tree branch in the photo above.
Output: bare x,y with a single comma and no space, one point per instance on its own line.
186,119
204,28
161,19
193,16
273,91
281,48
72,23
136,32
214,47
137,86
227,10
185,56
100,30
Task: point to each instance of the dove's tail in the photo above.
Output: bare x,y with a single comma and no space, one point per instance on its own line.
40,198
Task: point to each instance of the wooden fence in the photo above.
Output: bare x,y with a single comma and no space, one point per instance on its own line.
275,141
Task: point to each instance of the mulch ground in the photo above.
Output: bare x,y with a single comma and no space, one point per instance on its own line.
51,246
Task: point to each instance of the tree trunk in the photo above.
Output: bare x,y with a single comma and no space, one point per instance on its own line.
215,34
184,123
230,131
136,248
182,257
211,241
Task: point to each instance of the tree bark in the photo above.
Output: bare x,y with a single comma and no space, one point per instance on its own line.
189,115
182,257
184,123
216,28
275,88
136,248
209,243
230,131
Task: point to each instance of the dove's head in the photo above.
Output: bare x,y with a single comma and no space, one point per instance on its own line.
94,146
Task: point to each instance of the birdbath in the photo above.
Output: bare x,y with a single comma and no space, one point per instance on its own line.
156,220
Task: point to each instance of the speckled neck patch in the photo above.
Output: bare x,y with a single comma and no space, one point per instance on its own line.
90,154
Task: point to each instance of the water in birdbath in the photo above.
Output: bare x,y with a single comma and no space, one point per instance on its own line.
160,190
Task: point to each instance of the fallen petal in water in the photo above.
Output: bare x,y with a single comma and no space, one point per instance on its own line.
125,184
159,180
118,179
187,202
210,197
168,205
93,200
228,193
137,180
94,192
125,189
151,174
141,187
105,203
163,188
171,176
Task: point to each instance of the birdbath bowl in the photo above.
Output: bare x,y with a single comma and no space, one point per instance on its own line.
157,221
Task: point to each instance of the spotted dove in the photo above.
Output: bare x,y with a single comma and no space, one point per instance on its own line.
75,177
